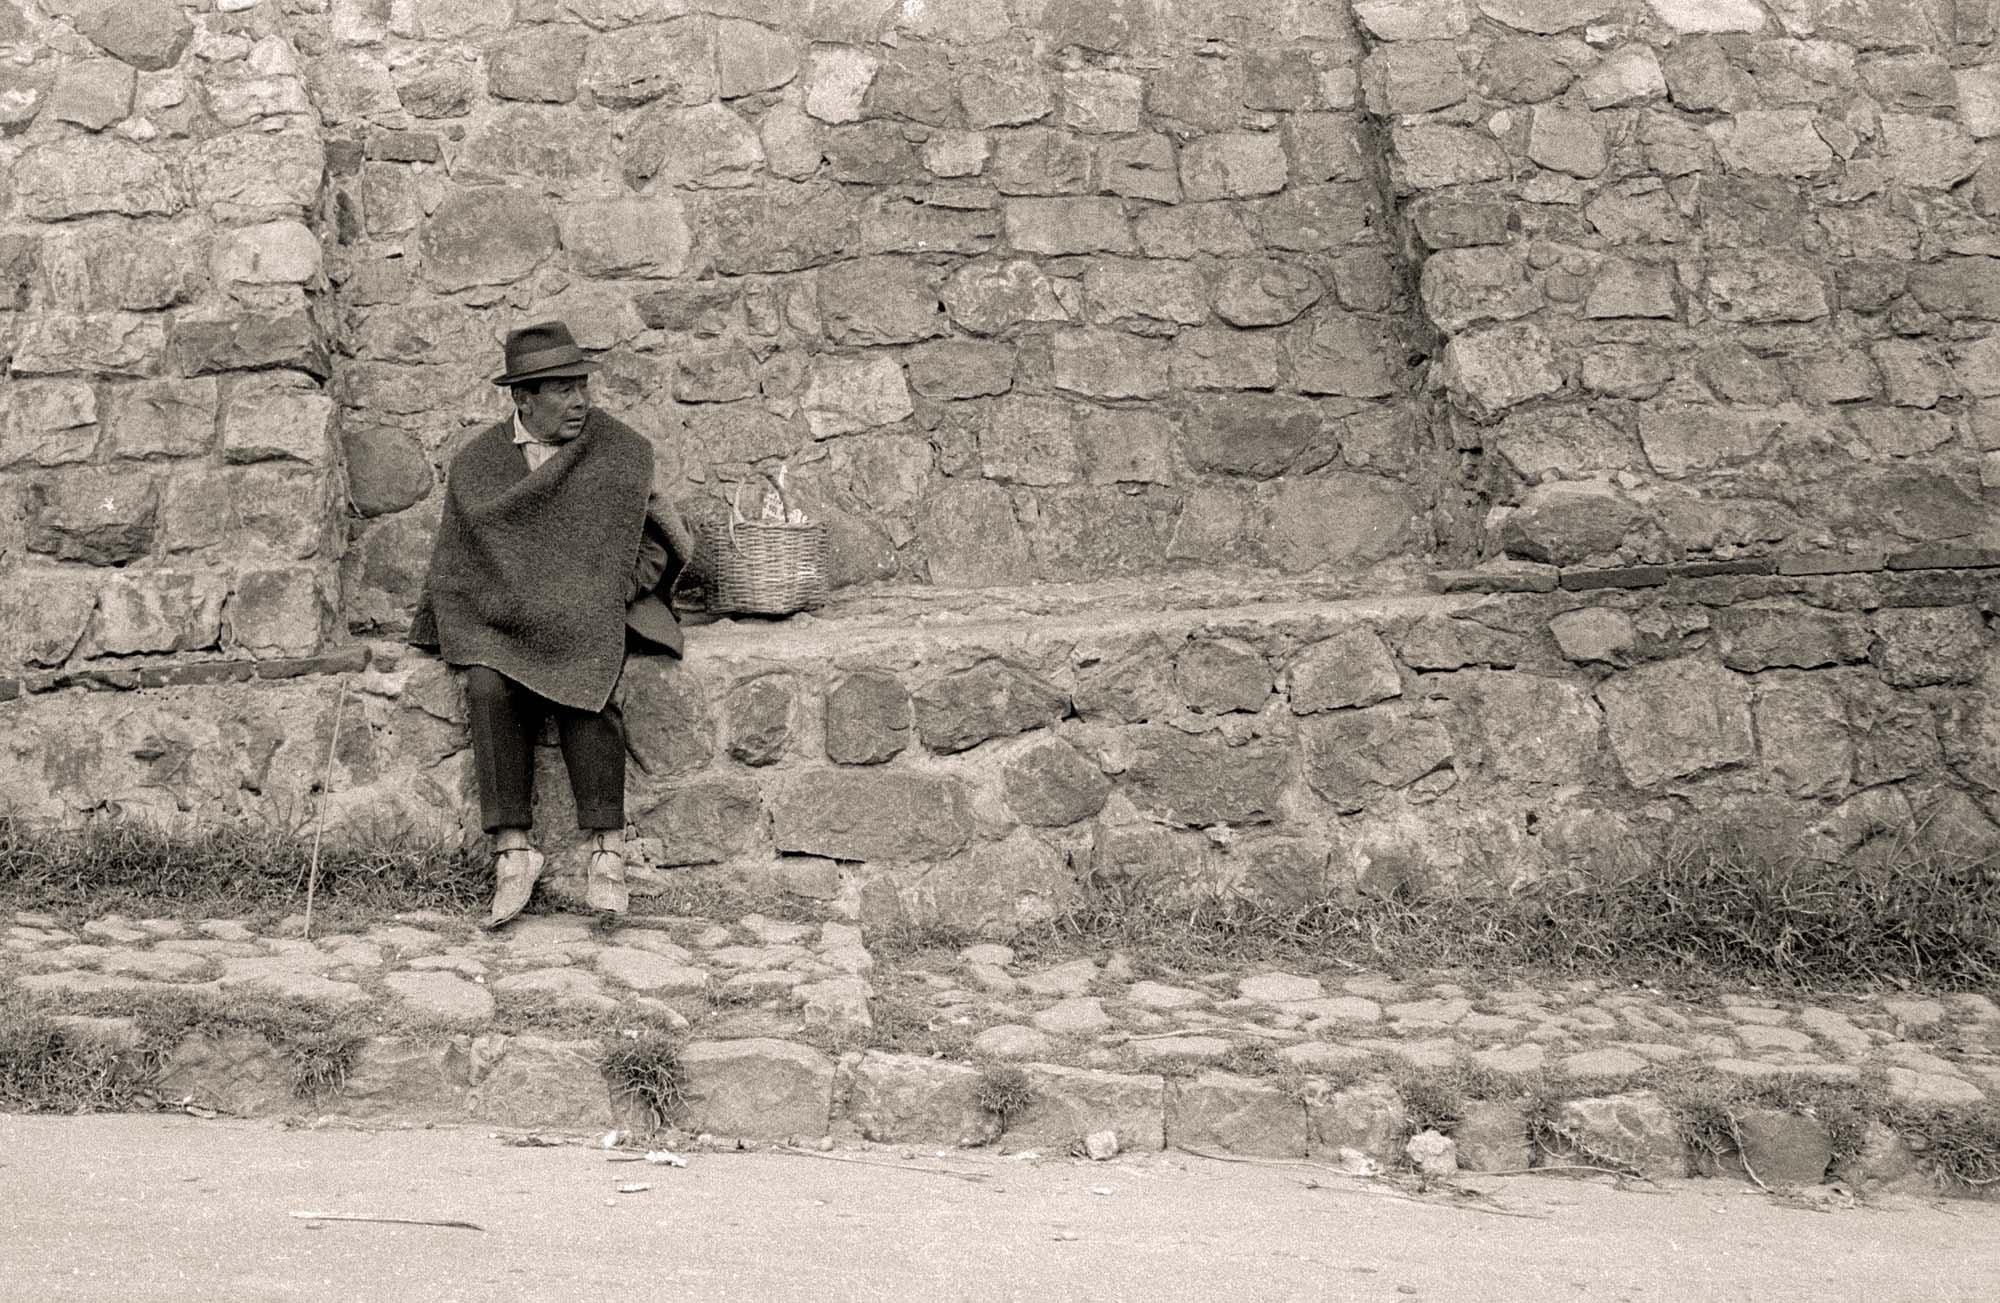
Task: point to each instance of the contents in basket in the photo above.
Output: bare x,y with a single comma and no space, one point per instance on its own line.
775,511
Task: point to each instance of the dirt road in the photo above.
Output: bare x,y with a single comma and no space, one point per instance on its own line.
152,1208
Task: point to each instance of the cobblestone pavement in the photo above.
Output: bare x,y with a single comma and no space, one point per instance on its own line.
795,1031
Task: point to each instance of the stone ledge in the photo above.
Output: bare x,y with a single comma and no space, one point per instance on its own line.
1263,1064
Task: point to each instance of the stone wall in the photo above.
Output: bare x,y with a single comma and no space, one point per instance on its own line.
168,467
1659,332
983,774
1092,293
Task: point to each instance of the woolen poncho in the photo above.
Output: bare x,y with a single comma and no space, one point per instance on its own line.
531,569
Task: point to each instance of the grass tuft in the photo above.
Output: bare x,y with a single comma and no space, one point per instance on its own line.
1005,1092
1703,907
647,1069
235,868
46,1067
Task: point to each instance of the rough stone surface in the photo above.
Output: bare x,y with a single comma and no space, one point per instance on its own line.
757,1088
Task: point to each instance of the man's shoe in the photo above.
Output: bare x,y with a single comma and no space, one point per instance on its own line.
604,887
515,872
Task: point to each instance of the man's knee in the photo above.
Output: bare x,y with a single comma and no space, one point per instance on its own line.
485,687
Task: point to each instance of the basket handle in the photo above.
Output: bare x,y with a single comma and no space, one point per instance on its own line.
736,504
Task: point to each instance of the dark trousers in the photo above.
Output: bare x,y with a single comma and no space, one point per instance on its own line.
506,720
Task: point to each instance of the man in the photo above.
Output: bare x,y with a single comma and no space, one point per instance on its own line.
552,545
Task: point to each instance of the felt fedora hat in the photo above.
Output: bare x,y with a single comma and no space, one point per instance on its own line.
541,352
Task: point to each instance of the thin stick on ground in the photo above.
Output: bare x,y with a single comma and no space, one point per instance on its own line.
399,1221
319,821
871,1162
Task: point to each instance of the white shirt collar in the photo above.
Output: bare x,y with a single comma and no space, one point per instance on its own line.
521,434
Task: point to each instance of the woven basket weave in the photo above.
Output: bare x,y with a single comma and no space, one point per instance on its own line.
760,567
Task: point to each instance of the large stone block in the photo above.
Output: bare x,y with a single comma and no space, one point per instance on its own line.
990,700
1926,153
1673,719
1198,780
1219,675
1802,734
1772,142
906,1098
1763,635
45,614
1236,1115
1959,287
277,612
108,343
1681,438
212,340
1461,287
1257,435
1109,364
996,888
1351,668
775,228
868,718
1069,225
539,1081
1499,367
1051,784
269,253
48,423
973,537
537,63
871,814
1124,446
277,415
1040,161
80,177
1068,1104
851,394
1759,286
93,93
1531,729
1566,523
148,34
668,724
1233,165
96,517
1636,1129
1432,155
386,469
879,301
707,146
1030,440
1353,758
702,822
611,237
491,235
672,61
988,298
145,612
1918,646
556,146
258,176
1334,519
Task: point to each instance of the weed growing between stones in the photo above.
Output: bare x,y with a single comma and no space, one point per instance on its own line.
1005,1092
647,1069
1250,1059
1957,1145
46,1067
237,868
1704,907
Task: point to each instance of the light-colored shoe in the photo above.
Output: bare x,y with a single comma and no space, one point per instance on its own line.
604,886
515,871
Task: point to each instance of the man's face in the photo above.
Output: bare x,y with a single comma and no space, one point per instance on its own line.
552,410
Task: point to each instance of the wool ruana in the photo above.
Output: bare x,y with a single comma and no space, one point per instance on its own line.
531,570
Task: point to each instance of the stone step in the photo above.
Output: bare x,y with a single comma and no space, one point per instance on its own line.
772,1091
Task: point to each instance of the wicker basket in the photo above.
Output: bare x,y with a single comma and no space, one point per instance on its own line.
759,567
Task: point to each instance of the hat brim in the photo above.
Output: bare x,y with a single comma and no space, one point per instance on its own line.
557,372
